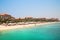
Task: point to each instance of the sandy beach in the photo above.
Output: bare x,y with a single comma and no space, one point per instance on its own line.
2,27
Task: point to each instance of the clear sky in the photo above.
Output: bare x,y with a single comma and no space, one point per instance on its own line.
34,8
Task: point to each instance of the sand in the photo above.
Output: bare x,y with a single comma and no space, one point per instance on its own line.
2,27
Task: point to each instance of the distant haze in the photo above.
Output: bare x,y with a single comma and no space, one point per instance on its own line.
34,8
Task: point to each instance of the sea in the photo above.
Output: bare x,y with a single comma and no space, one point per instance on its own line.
40,32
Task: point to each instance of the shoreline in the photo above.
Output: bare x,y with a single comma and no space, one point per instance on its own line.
2,27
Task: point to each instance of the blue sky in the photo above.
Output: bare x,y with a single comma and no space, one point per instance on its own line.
34,8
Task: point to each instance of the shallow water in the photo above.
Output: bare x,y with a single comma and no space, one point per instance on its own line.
42,32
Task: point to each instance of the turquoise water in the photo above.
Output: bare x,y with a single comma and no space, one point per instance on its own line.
42,32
